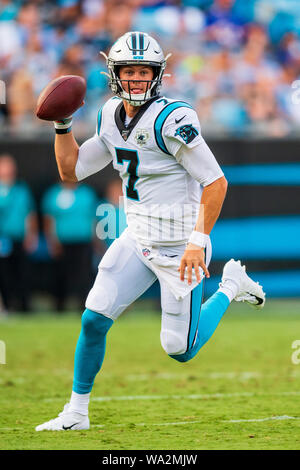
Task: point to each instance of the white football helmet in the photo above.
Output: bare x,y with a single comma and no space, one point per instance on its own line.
135,48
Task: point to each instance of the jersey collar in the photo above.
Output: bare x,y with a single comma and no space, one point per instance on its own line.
120,118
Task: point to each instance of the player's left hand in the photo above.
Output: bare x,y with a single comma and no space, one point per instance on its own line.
193,257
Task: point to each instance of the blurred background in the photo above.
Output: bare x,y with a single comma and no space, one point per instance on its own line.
237,62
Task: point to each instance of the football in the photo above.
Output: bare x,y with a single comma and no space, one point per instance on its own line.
61,98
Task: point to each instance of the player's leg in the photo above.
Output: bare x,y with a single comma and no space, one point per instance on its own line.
196,324
121,279
188,324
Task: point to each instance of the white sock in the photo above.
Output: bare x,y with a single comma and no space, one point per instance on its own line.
229,288
79,403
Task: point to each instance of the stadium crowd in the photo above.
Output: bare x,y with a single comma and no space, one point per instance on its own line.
235,61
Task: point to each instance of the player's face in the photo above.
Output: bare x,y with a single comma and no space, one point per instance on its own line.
135,78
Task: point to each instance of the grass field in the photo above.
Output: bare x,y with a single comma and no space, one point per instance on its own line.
241,391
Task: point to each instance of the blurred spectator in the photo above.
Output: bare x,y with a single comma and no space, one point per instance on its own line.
40,64
225,52
224,28
8,10
72,61
118,18
286,49
69,212
21,100
18,237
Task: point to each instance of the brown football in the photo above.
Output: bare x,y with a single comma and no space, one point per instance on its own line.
61,98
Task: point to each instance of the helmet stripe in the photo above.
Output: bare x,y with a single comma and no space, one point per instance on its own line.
141,40
133,44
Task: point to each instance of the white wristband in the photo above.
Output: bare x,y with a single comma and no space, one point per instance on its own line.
198,238
63,123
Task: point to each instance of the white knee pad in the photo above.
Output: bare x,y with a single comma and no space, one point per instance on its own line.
172,342
102,296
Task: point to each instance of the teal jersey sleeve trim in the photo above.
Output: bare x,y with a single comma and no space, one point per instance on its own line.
160,120
99,120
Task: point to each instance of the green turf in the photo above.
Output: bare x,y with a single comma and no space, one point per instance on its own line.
244,372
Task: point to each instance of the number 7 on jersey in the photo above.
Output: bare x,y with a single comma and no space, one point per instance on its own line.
130,156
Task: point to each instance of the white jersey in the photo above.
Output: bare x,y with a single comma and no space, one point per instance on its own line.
163,161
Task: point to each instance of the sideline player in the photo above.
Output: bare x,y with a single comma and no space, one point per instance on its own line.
167,170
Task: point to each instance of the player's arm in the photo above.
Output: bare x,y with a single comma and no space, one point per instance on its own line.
184,140
200,163
76,163
211,204
212,200
66,154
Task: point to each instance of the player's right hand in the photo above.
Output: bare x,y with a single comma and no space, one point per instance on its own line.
193,257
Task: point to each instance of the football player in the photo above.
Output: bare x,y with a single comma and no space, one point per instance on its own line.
174,190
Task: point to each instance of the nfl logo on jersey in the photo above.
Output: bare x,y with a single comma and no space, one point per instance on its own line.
146,252
125,134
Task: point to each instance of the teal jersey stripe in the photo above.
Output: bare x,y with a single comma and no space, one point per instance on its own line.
99,120
160,120
282,174
196,302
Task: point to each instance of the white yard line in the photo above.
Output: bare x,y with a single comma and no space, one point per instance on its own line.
164,397
19,378
181,423
200,396
230,375
209,375
197,396
178,423
260,420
